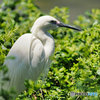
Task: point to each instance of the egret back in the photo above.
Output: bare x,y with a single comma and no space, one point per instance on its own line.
19,68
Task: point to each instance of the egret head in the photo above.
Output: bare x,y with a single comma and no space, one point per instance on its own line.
47,23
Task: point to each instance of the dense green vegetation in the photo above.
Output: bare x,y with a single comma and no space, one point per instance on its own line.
76,62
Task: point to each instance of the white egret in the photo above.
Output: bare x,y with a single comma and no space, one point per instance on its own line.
32,53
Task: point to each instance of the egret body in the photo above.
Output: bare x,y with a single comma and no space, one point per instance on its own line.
32,53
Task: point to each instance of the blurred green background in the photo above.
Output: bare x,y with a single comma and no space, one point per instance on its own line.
76,7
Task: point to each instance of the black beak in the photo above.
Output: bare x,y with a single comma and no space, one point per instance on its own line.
67,26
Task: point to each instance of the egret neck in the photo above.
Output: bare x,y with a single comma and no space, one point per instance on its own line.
46,39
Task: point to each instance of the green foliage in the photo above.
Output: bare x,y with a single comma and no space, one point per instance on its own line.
76,63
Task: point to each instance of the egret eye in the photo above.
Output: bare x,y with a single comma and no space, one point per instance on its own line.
53,22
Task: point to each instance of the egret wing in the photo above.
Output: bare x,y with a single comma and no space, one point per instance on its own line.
36,59
22,67
18,67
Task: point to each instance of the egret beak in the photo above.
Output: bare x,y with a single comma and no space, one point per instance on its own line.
67,26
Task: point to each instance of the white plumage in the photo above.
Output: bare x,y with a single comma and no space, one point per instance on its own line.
32,52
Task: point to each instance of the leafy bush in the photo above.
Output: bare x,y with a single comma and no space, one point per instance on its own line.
75,66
